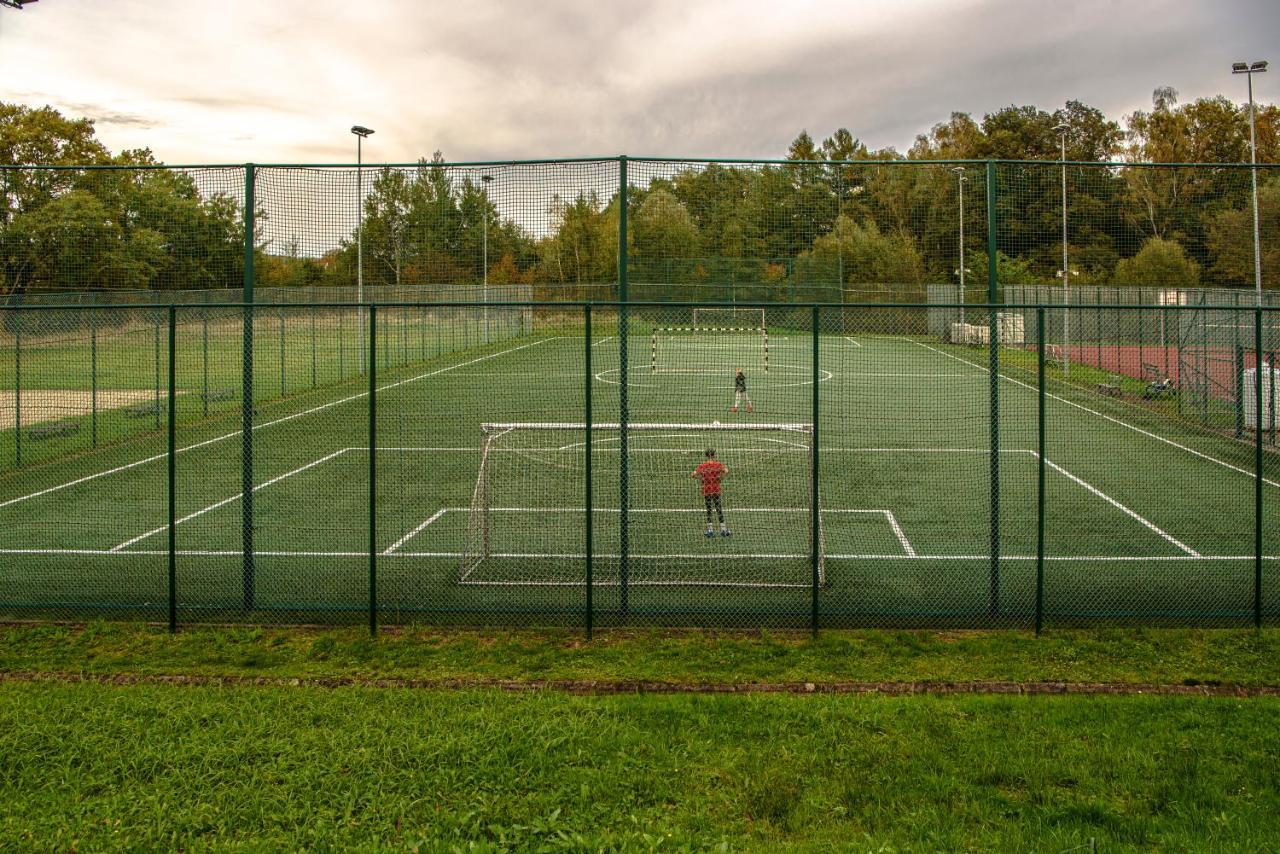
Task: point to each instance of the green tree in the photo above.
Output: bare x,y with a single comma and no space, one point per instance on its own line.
1231,239
1160,263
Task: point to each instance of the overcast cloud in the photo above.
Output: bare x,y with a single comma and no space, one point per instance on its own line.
282,81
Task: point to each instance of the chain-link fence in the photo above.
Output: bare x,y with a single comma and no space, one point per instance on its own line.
798,466
486,393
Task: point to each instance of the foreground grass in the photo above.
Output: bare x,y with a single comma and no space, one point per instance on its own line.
92,766
1144,656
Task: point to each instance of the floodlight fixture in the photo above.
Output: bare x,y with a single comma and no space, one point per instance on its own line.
361,131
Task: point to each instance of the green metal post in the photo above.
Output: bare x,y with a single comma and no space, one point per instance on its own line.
373,469
993,364
586,392
1040,473
624,503
204,359
815,512
93,378
173,469
1239,388
313,338
156,324
246,398
283,385
342,345
1257,467
17,389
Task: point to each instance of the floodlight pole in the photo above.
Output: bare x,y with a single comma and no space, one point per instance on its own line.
485,286
1066,276
960,182
361,132
1249,70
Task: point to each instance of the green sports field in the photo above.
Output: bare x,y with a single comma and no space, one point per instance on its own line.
1146,518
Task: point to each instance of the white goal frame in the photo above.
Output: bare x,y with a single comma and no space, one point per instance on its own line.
670,331
479,522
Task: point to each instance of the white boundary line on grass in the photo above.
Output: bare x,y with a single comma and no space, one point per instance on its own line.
907,548
214,506
892,520
365,554
409,536
266,424
1123,509
1106,417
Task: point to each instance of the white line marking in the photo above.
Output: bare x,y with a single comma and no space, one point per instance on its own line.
1106,417
257,427
409,536
897,530
1116,504
851,341
226,501
602,340
236,553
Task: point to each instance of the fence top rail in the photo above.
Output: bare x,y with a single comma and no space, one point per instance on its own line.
553,161
564,304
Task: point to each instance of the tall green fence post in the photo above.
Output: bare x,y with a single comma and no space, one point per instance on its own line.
17,389
373,469
1040,467
1238,367
624,504
156,325
93,378
815,512
283,383
204,360
993,361
312,313
173,468
246,398
1257,466
586,477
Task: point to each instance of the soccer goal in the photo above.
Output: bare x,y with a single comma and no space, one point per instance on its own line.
719,339
527,521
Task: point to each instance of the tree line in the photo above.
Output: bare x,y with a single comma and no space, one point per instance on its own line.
834,215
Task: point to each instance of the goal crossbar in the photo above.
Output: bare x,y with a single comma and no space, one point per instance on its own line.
662,337
503,426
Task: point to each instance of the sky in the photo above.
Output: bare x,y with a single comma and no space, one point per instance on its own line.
282,81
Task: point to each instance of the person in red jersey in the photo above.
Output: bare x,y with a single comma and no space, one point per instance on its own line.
709,473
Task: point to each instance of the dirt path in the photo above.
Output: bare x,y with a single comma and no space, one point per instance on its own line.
40,405
606,687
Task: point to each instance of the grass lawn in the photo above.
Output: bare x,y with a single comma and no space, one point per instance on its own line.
131,762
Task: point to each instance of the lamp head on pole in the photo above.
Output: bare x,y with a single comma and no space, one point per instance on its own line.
486,178
361,131
959,170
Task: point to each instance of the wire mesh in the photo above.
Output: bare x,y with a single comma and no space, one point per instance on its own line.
881,448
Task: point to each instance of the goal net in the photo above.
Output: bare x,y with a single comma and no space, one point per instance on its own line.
527,521
717,340
743,318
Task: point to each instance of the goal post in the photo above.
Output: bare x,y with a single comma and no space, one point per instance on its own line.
709,349
526,521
